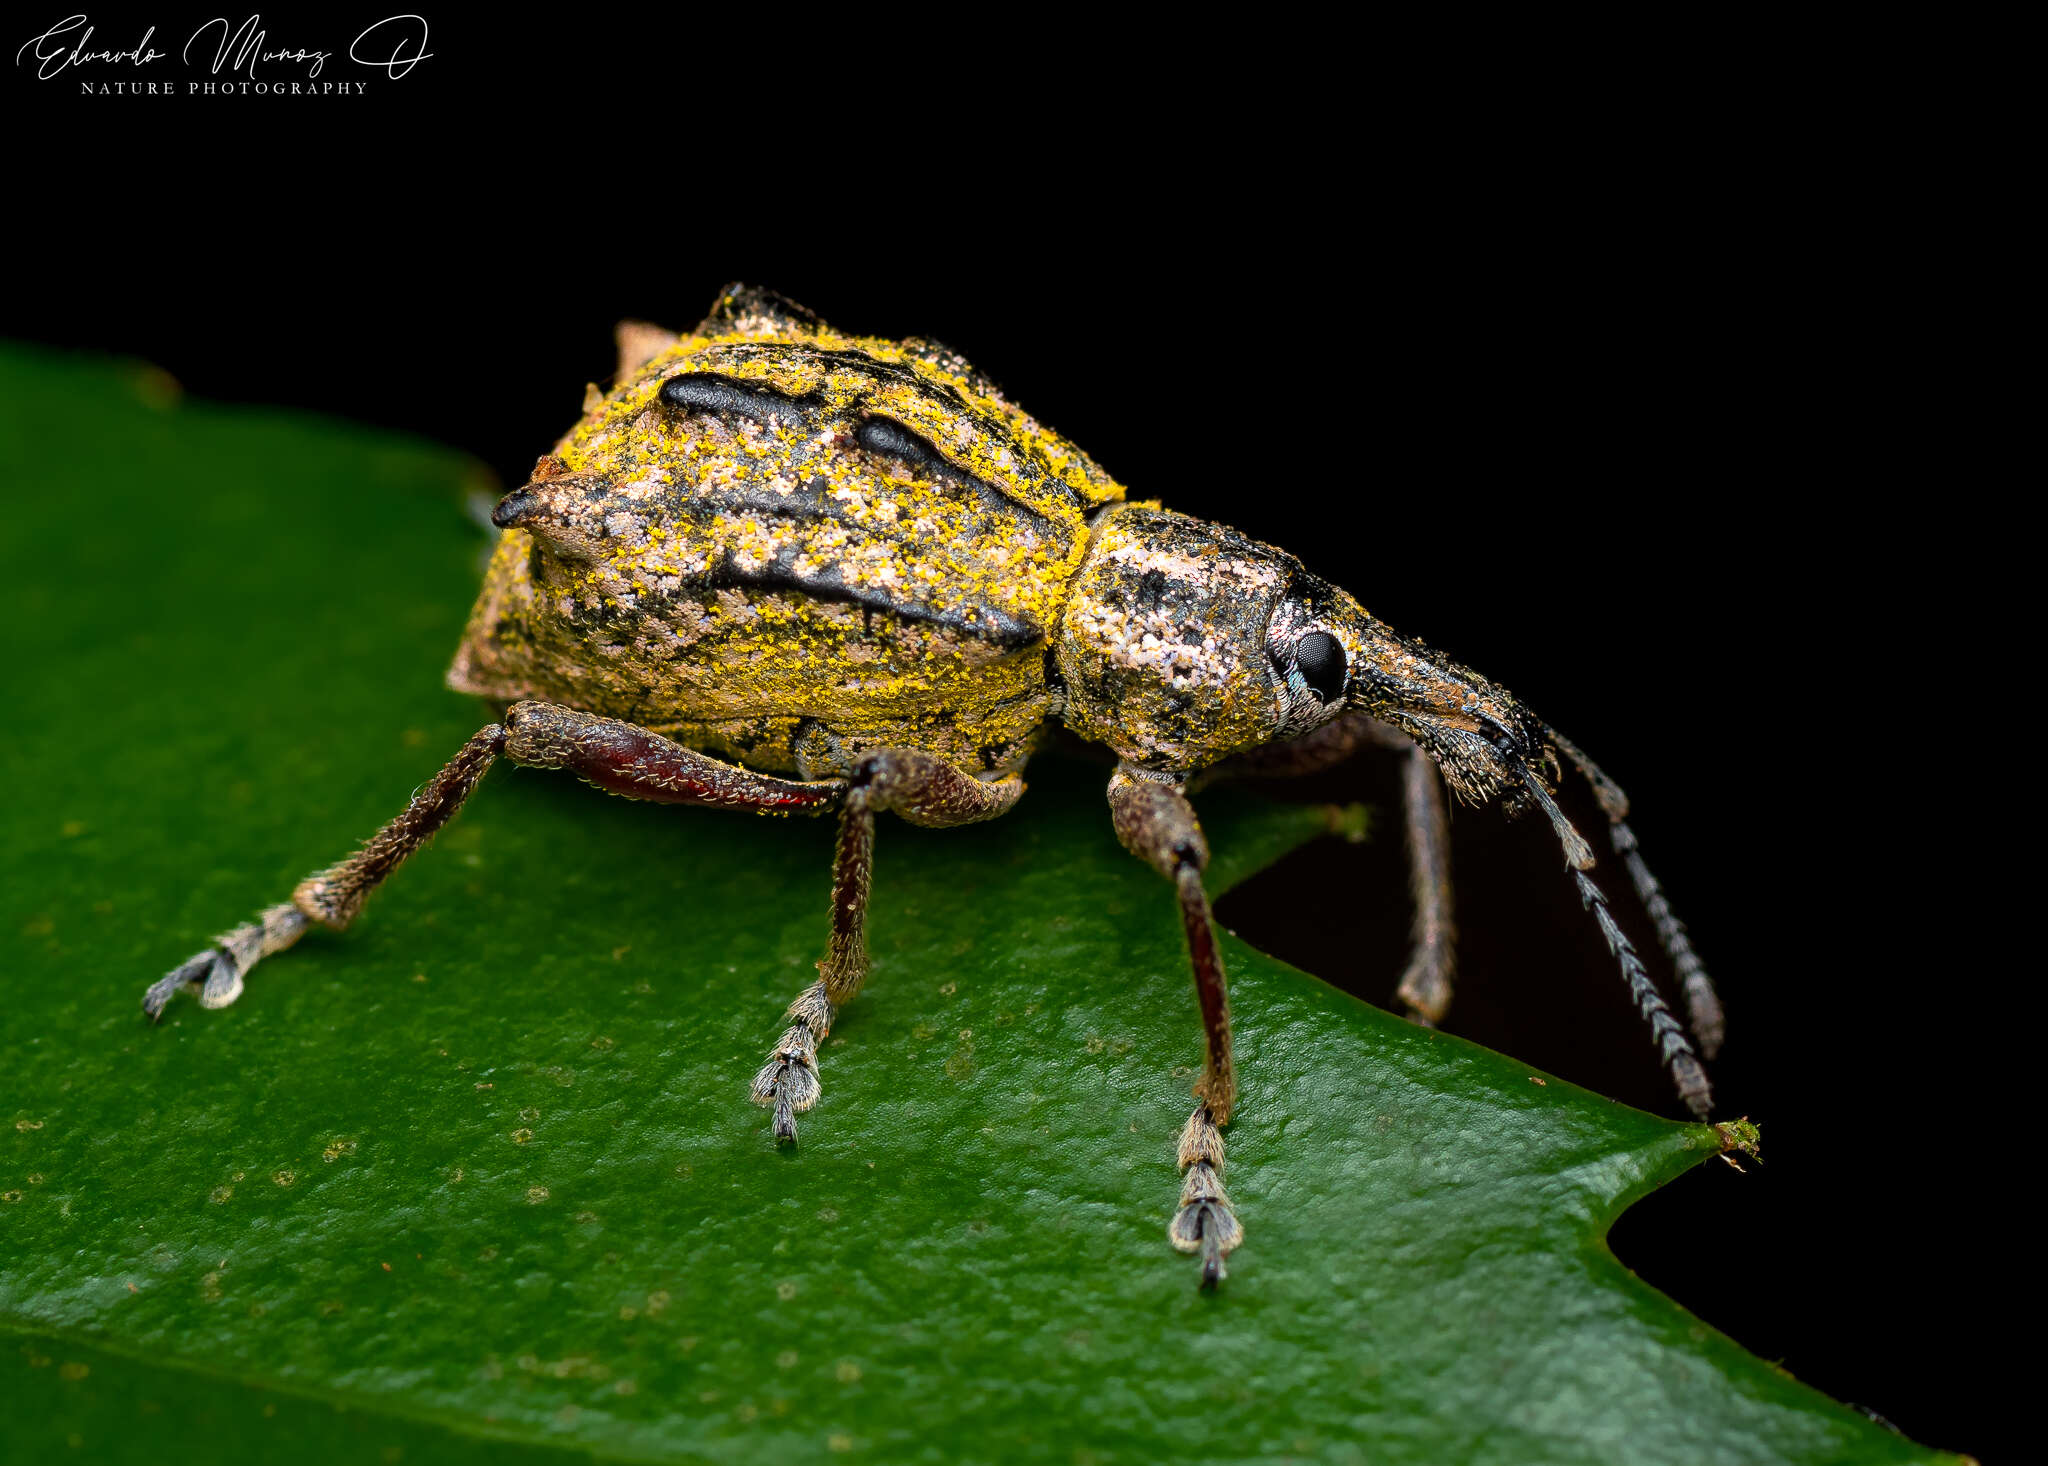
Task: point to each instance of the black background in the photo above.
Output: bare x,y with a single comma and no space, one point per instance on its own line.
1582,364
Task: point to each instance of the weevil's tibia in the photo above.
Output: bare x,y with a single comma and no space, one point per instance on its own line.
1205,1222
923,790
1156,823
331,897
1702,1003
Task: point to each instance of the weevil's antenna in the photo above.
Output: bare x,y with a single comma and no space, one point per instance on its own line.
1702,1003
1672,1043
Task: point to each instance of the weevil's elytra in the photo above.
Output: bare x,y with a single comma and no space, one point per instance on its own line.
783,570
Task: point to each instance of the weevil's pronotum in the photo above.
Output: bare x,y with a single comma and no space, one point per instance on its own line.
784,570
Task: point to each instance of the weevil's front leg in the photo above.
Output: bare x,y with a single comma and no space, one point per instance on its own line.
333,896
923,790
1426,985
1336,742
1156,823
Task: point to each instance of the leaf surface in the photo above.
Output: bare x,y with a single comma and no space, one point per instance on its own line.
478,1180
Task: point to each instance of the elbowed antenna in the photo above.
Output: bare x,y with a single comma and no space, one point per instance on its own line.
1702,1003
1508,754
1686,1069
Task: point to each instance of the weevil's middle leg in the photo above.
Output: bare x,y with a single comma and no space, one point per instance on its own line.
789,1080
923,790
1156,823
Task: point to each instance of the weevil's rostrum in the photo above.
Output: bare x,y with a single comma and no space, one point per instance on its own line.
784,570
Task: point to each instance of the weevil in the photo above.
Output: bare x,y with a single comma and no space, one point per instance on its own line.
781,569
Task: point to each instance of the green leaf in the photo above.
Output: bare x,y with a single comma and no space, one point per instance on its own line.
480,1174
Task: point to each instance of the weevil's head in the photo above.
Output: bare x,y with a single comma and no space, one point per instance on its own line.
1184,642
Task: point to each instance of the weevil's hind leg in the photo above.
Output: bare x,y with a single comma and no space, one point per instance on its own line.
1156,823
331,897
923,790
216,974
617,757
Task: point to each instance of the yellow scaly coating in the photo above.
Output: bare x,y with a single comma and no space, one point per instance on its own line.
770,586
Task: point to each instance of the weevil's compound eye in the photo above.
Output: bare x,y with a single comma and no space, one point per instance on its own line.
1319,657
